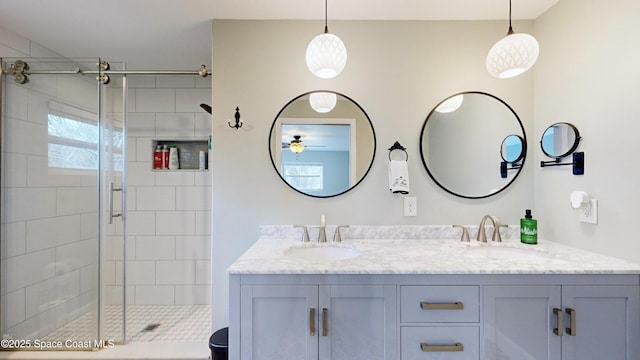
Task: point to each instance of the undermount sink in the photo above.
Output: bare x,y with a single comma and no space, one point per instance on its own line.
321,252
506,253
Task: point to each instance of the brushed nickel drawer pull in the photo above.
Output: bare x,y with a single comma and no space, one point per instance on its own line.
571,330
325,313
558,330
441,348
424,305
312,321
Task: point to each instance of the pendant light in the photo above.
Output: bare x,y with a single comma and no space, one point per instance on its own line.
513,55
326,53
323,102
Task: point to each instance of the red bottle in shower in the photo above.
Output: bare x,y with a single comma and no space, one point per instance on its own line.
157,157
165,157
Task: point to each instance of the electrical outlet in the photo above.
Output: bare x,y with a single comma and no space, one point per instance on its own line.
590,215
410,206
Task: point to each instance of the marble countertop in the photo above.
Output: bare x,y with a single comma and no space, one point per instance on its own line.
269,255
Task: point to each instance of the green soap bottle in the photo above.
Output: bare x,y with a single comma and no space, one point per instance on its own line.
528,229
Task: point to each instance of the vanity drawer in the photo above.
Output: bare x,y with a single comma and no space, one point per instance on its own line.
439,304
440,342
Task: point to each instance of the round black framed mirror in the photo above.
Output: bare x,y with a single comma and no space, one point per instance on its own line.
560,140
458,144
322,143
512,148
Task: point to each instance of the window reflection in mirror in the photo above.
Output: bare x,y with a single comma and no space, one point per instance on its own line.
324,152
512,148
560,140
460,149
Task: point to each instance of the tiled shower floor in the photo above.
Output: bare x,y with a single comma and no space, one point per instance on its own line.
177,323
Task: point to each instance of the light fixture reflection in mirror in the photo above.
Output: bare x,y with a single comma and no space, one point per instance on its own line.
296,145
339,146
323,102
450,105
460,150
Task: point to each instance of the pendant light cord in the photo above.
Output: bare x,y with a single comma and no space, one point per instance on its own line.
326,28
510,28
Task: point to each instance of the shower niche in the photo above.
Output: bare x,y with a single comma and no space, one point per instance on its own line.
188,154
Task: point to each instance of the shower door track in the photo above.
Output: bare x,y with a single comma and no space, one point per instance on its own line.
20,69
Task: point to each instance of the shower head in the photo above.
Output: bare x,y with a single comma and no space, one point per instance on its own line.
206,108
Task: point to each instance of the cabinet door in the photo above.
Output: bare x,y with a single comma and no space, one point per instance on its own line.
519,322
361,323
278,322
606,322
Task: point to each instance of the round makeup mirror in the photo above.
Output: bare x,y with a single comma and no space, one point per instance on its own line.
512,149
322,144
459,144
560,140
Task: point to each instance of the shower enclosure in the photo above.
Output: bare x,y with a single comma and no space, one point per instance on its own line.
64,252
62,172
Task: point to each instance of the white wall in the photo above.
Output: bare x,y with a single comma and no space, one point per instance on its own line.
397,71
588,75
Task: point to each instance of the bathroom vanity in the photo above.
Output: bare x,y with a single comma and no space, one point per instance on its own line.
432,297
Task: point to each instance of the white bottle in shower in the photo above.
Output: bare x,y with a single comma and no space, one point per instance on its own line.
174,163
201,160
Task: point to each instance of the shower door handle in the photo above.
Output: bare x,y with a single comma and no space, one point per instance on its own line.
111,190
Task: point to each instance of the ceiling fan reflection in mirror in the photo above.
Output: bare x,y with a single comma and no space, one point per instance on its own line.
297,145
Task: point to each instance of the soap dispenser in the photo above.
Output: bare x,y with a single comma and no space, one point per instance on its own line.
528,229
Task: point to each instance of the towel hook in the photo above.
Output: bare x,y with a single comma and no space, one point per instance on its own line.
397,146
238,124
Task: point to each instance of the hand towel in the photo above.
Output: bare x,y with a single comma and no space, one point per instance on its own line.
398,177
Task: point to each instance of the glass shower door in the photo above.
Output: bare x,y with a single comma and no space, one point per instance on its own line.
113,199
61,140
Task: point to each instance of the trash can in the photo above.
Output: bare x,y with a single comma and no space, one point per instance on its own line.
219,344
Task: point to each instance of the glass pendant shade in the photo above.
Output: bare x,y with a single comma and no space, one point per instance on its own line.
323,102
512,55
326,56
450,105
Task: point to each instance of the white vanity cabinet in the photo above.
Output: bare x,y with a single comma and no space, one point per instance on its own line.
349,322
561,322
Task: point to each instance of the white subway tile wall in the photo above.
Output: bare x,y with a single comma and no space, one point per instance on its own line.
168,211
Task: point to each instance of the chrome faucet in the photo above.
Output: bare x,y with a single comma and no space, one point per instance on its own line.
496,229
322,233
